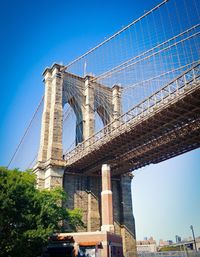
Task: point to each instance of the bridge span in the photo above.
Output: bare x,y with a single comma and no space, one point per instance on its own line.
162,126
142,85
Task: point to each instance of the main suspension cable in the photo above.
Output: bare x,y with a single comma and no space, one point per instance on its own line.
114,35
26,131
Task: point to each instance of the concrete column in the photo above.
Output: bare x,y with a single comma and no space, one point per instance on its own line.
89,116
106,200
55,151
42,155
116,101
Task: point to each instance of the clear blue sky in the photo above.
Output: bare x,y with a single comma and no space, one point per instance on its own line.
33,35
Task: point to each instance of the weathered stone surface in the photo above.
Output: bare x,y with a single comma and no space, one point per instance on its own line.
51,129
84,192
127,221
116,101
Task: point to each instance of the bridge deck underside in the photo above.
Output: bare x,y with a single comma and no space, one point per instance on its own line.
170,128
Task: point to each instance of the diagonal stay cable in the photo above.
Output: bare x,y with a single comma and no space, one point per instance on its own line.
115,35
26,131
158,76
149,56
122,65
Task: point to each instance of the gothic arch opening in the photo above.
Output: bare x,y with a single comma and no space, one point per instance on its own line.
98,123
103,114
102,118
69,124
72,125
79,119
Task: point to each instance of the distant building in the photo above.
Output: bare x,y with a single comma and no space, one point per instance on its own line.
165,243
188,243
178,239
147,246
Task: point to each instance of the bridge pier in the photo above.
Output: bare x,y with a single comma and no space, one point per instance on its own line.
106,200
84,191
50,166
127,218
50,176
51,130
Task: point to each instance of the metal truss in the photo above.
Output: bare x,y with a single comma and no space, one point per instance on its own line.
162,126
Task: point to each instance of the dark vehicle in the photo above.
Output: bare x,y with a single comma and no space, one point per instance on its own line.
60,246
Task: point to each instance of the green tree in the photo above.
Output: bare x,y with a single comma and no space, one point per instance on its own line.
170,248
28,216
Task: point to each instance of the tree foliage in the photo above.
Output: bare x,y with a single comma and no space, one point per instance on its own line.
170,248
28,216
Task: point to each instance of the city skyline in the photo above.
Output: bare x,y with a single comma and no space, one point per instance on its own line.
165,195
172,240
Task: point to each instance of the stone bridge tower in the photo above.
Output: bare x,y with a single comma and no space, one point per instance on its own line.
85,98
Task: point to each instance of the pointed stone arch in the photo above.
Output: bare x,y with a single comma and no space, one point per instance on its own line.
79,119
103,114
85,96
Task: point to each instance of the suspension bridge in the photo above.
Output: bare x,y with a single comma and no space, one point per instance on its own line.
167,123
132,100
154,67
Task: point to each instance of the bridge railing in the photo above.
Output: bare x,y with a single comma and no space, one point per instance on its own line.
176,87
